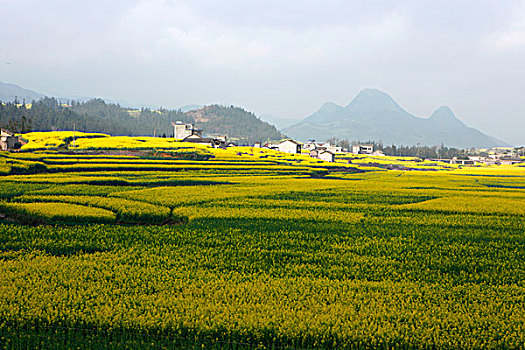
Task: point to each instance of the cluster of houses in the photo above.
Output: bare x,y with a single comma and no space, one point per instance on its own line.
188,133
498,156
494,156
477,160
321,150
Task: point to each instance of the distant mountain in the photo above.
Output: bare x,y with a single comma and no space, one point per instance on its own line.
8,92
279,122
374,115
328,112
444,118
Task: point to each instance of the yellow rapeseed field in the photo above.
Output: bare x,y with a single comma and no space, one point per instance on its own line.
151,243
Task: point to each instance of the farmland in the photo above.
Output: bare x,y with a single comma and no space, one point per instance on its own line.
192,247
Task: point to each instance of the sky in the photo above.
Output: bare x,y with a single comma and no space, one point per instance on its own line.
282,58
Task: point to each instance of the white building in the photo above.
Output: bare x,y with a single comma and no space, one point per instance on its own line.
362,149
8,140
310,145
289,146
334,149
327,156
181,130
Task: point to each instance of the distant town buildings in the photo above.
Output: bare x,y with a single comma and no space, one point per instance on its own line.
312,144
498,156
495,159
324,150
493,156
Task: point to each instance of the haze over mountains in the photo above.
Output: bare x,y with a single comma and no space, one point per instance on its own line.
371,115
279,122
8,92
374,115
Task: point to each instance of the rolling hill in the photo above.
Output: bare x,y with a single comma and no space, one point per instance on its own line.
238,124
98,115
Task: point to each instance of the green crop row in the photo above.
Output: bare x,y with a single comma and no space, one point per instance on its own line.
127,211
56,213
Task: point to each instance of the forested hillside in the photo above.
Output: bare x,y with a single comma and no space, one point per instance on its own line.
91,116
236,123
98,116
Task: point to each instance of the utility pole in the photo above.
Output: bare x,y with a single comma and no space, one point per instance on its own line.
74,129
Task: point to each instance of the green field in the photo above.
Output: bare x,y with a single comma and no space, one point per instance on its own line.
242,251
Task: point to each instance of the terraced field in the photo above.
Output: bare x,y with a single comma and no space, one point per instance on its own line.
238,251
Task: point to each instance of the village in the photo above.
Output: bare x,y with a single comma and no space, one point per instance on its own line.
325,151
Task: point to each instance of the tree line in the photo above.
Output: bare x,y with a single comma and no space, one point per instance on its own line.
96,115
91,116
425,152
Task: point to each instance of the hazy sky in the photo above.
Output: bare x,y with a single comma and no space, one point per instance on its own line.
283,58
